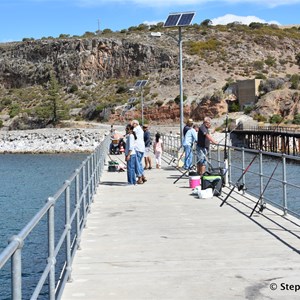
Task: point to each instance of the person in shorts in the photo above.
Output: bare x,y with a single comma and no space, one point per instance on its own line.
148,143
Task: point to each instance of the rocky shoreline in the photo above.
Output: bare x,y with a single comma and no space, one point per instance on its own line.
75,137
70,140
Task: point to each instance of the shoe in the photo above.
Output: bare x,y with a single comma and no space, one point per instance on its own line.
143,178
149,168
140,180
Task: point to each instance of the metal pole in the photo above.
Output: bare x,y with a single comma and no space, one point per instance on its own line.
68,227
180,85
51,249
16,270
142,100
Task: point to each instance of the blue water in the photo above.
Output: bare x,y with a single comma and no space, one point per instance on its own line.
26,182
274,191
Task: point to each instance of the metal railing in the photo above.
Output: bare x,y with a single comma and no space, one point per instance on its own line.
63,216
283,187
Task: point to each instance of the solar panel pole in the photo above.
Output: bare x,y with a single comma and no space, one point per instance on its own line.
179,20
180,84
142,103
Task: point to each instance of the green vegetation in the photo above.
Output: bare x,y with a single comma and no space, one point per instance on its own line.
296,119
200,47
276,119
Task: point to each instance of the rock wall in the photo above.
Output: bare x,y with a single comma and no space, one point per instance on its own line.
77,61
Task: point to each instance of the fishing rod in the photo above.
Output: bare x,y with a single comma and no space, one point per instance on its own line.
124,163
239,179
191,167
225,146
262,193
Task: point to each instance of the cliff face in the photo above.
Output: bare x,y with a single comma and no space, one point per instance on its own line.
77,61
99,66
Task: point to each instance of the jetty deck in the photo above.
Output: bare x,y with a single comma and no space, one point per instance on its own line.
158,241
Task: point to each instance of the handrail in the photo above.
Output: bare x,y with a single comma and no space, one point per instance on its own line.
236,165
84,180
280,129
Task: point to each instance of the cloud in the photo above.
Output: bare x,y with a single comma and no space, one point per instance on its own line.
229,18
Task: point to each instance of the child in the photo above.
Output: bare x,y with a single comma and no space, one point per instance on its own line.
158,149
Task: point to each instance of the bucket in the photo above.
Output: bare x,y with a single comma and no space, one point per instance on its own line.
194,181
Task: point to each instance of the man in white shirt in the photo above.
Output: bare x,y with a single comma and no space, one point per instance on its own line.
140,150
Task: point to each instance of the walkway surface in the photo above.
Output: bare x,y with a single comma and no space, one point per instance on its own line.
158,241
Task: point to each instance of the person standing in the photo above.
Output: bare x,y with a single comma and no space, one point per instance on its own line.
139,150
130,155
188,143
148,142
203,144
158,149
187,126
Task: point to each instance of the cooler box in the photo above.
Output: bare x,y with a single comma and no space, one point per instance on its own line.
212,181
113,166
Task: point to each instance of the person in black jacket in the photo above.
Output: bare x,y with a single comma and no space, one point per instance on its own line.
148,143
203,144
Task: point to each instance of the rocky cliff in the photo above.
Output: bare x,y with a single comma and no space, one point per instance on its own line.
96,74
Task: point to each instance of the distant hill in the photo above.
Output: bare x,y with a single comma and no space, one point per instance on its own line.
91,77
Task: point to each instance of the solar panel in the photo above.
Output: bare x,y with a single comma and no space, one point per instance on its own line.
138,83
186,19
143,83
179,19
172,20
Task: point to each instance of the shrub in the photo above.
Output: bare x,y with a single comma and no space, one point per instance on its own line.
234,107
259,118
296,119
177,99
159,103
258,65
271,84
275,119
14,110
295,79
248,109
73,88
270,61
121,90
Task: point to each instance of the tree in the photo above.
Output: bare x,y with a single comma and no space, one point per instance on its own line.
206,23
54,97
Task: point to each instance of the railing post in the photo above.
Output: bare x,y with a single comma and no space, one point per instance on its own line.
284,184
51,249
77,201
68,228
16,269
89,182
243,167
261,178
84,192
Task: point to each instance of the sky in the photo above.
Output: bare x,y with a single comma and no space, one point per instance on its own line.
49,18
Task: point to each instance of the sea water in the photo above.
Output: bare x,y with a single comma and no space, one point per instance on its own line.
26,182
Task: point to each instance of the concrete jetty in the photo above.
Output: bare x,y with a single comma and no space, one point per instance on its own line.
158,241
